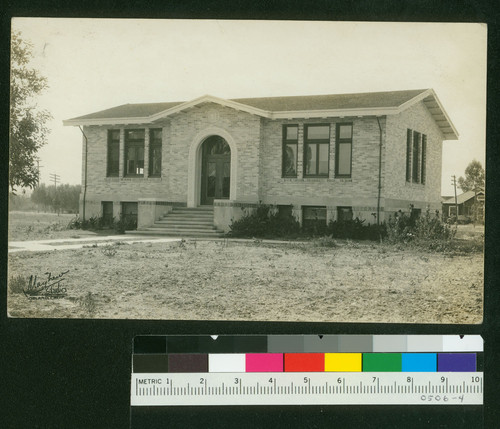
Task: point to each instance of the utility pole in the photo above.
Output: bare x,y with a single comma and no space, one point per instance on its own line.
55,178
454,183
38,166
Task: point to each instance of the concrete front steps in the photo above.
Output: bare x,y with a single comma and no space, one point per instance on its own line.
195,222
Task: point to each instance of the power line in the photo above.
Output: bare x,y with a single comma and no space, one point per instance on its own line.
55,178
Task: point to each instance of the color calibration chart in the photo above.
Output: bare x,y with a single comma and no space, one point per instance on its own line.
307,369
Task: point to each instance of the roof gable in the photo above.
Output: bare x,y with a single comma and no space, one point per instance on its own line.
335,105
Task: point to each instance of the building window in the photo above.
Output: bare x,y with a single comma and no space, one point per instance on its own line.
113,162
314,219
344,214
416,156
415,214
155,152
290,144
343,151
285,212
129,215
107,213
316,150
134,152
408,154
423,157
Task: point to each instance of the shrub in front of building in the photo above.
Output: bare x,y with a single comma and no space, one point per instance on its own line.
266,222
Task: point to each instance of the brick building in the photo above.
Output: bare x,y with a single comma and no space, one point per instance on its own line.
322,157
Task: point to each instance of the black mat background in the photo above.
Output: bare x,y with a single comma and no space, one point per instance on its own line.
76,373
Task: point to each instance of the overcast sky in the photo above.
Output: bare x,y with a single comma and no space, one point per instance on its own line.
94,64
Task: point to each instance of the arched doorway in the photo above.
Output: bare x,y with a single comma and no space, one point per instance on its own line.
215,170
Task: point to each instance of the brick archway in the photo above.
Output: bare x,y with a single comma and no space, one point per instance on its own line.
195,164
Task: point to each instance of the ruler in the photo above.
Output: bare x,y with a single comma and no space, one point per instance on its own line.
307,388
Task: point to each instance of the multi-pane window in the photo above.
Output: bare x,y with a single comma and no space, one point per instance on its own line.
416,156
316,150
134,152
113,160
155,152
343,150
290,144
314,218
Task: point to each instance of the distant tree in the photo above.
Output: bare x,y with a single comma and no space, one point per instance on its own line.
28,132
474,177
64,197
40,196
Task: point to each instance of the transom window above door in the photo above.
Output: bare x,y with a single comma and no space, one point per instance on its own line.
216,145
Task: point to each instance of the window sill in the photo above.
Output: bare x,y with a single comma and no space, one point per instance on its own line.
314,179
415,185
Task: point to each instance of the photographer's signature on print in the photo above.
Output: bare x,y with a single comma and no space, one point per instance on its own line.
49,288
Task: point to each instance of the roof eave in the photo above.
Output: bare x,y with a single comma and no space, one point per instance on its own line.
105,121
448,129
337,113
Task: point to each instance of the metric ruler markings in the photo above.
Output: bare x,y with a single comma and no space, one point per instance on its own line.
282,388
302,370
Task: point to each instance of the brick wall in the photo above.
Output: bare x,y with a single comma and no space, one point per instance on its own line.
259,176
178,134
244,130
397,191
360,191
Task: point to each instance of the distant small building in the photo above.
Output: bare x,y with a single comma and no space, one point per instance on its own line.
470,206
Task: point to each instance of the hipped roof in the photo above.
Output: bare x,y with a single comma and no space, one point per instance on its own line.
310,106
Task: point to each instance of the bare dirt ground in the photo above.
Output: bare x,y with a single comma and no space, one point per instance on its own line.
227,280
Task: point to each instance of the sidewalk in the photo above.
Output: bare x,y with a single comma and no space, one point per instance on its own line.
78,243
99,241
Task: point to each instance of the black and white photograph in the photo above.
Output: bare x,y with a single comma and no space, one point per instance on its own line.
223,170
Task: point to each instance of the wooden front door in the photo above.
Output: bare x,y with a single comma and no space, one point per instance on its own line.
216,170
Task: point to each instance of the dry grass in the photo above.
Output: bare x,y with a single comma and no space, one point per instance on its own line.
208,280
24,226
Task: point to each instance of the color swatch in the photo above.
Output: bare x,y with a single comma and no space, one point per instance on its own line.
307,343
307,353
